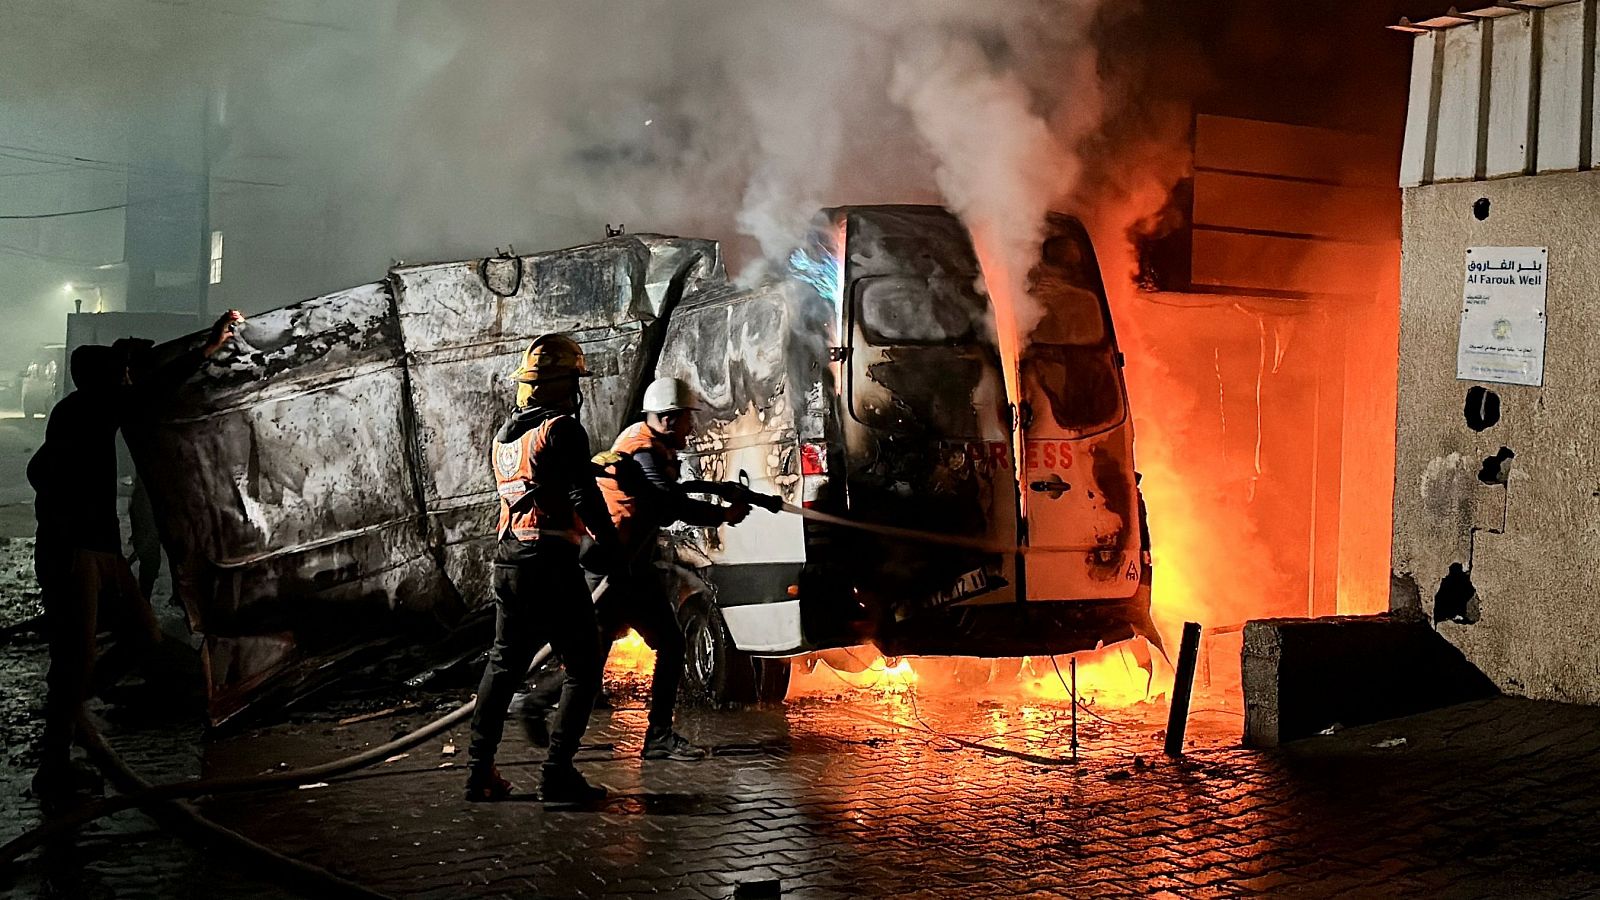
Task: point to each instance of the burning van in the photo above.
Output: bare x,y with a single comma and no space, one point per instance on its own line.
323,486
868,388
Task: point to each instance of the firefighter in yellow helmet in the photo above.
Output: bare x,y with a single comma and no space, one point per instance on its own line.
548,500
642,487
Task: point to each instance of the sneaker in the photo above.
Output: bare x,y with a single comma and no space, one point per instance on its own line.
565,784
670,745
486,786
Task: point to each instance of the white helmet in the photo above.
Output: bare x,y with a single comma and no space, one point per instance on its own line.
666,395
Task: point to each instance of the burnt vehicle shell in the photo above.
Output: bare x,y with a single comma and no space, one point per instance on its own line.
322,482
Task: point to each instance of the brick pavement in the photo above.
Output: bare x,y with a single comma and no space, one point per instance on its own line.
1488,800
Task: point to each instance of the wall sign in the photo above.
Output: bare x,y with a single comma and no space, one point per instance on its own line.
1502,315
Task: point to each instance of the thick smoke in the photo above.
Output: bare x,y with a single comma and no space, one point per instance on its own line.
420,129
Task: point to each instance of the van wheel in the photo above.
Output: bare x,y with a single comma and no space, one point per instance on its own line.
715,671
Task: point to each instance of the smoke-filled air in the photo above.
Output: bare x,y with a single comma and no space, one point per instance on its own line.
340,137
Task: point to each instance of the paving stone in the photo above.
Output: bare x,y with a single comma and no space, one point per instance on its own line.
1491,799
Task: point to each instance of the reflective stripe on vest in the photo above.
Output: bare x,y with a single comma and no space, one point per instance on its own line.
516,481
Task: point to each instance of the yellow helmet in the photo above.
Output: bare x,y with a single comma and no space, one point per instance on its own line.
551,356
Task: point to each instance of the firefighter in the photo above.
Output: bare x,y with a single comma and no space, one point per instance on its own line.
548,498
84,580
643,492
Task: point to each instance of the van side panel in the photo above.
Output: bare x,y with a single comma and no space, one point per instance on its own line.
325,481
731,348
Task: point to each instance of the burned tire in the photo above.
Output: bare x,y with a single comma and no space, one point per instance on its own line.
715,671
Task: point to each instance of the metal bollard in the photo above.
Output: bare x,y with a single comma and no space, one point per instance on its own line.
1073,663
1182,685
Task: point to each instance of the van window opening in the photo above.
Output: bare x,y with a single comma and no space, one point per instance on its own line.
896,311
1070,356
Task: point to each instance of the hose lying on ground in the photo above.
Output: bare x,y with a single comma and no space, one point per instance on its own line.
32,625
312,881
148,794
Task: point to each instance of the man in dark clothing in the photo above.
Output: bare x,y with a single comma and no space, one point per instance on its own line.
548,499
83,577
643,493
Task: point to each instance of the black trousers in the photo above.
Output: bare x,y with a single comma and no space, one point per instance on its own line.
84,591
636,600
540,600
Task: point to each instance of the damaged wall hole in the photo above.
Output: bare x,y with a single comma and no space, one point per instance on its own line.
1480,209
1495,470
1456,599
1483,408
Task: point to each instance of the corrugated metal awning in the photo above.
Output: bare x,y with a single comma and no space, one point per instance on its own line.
1503,90
1456,16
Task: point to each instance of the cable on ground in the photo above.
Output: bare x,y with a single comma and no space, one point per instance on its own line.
310,880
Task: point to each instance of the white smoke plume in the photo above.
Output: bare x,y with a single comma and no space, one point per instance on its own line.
424,129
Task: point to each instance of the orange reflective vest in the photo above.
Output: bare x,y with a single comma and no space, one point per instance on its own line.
624,507
516,481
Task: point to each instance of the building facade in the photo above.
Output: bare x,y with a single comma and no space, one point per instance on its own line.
1497,489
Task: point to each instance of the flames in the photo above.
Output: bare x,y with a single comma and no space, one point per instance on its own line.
630,658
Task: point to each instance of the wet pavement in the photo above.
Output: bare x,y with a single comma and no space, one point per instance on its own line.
864,793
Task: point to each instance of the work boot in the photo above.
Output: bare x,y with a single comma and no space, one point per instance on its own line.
486,786
668,744
565,784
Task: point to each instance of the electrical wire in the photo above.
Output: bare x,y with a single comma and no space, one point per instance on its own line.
14,250
69,212
1083,706
87,163
971,745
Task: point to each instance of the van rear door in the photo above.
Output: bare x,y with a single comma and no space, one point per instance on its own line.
925,428
1080,501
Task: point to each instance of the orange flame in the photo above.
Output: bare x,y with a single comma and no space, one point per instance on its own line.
630,656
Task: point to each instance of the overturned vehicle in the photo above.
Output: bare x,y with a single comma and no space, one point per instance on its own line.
324,484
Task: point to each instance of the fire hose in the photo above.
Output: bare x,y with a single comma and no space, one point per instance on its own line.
740,492
142,794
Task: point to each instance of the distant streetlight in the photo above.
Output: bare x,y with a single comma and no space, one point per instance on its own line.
99,295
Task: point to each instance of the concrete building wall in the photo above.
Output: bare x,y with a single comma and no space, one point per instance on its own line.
1529,544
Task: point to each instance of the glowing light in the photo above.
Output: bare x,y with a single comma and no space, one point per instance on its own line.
1111,676
881,677
818,263
630,655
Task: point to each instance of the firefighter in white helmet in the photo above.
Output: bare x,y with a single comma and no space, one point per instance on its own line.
548,500
643,493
